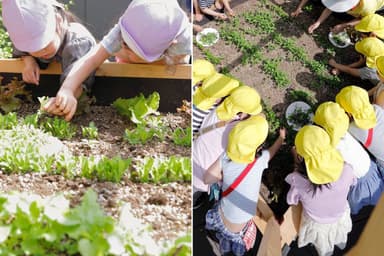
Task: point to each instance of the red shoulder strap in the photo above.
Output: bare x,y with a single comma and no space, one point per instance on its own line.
239,179
369,138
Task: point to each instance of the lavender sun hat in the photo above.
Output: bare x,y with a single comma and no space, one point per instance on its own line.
148,27
31,24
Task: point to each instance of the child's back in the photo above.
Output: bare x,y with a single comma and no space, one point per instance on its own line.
321,184
325,204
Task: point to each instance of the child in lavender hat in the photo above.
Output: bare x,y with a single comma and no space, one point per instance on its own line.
149,31
43,31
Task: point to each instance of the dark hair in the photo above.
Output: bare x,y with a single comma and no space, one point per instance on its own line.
63,17
302,169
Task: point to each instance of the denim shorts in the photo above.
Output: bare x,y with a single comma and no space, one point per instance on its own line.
229,241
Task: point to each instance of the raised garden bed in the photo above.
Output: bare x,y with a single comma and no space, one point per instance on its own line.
149,172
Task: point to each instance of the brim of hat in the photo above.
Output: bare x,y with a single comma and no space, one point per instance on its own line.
201,101
39,42
256,111
379,33
339,6
371,62
132,44
243,158
326,168
196,79
380,67
365,123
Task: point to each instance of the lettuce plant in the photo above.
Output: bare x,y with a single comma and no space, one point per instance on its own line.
182,137
163,169
137,108
58,127
90,132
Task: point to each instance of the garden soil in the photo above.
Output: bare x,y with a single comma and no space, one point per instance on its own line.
317,47
165,207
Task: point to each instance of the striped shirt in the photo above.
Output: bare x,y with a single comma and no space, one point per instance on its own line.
198,116
206,3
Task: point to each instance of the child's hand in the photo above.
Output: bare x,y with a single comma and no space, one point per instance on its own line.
31,71
338,28
64,104
313,27
51,108
296,13
222,16
332,62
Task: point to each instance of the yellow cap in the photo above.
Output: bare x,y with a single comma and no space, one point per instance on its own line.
242,99
213,88
201,69
380,65
370,47
332,117
323,162
245,137
355,100
372,23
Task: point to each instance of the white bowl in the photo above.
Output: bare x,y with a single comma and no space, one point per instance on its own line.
347,42
204,32
292,108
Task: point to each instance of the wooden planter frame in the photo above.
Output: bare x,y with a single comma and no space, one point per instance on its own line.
114,80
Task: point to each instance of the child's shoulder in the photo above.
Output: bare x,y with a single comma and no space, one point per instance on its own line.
297,180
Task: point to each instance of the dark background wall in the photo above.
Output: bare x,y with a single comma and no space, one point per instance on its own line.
99,16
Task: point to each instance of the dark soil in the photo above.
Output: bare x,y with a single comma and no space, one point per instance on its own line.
166,207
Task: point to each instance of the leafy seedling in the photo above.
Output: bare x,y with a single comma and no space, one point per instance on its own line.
90,132
137,108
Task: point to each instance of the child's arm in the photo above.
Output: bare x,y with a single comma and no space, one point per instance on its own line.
278,142
31,70
324,15
372,91
213,13
359,63
66,98
214,173
340,27
299,8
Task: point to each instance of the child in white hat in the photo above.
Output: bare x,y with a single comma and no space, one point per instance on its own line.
321,184
148,31
355,8
370,48
231,217
43,31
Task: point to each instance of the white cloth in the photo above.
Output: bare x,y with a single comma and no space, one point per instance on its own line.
376,148
354,154
325,236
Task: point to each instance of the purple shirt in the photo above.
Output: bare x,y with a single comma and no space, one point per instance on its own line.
326,205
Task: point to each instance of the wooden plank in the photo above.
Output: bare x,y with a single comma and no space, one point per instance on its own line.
288,230
291,224
371,240
111,69
270,244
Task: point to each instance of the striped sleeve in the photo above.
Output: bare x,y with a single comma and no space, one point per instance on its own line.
206,3
198,116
